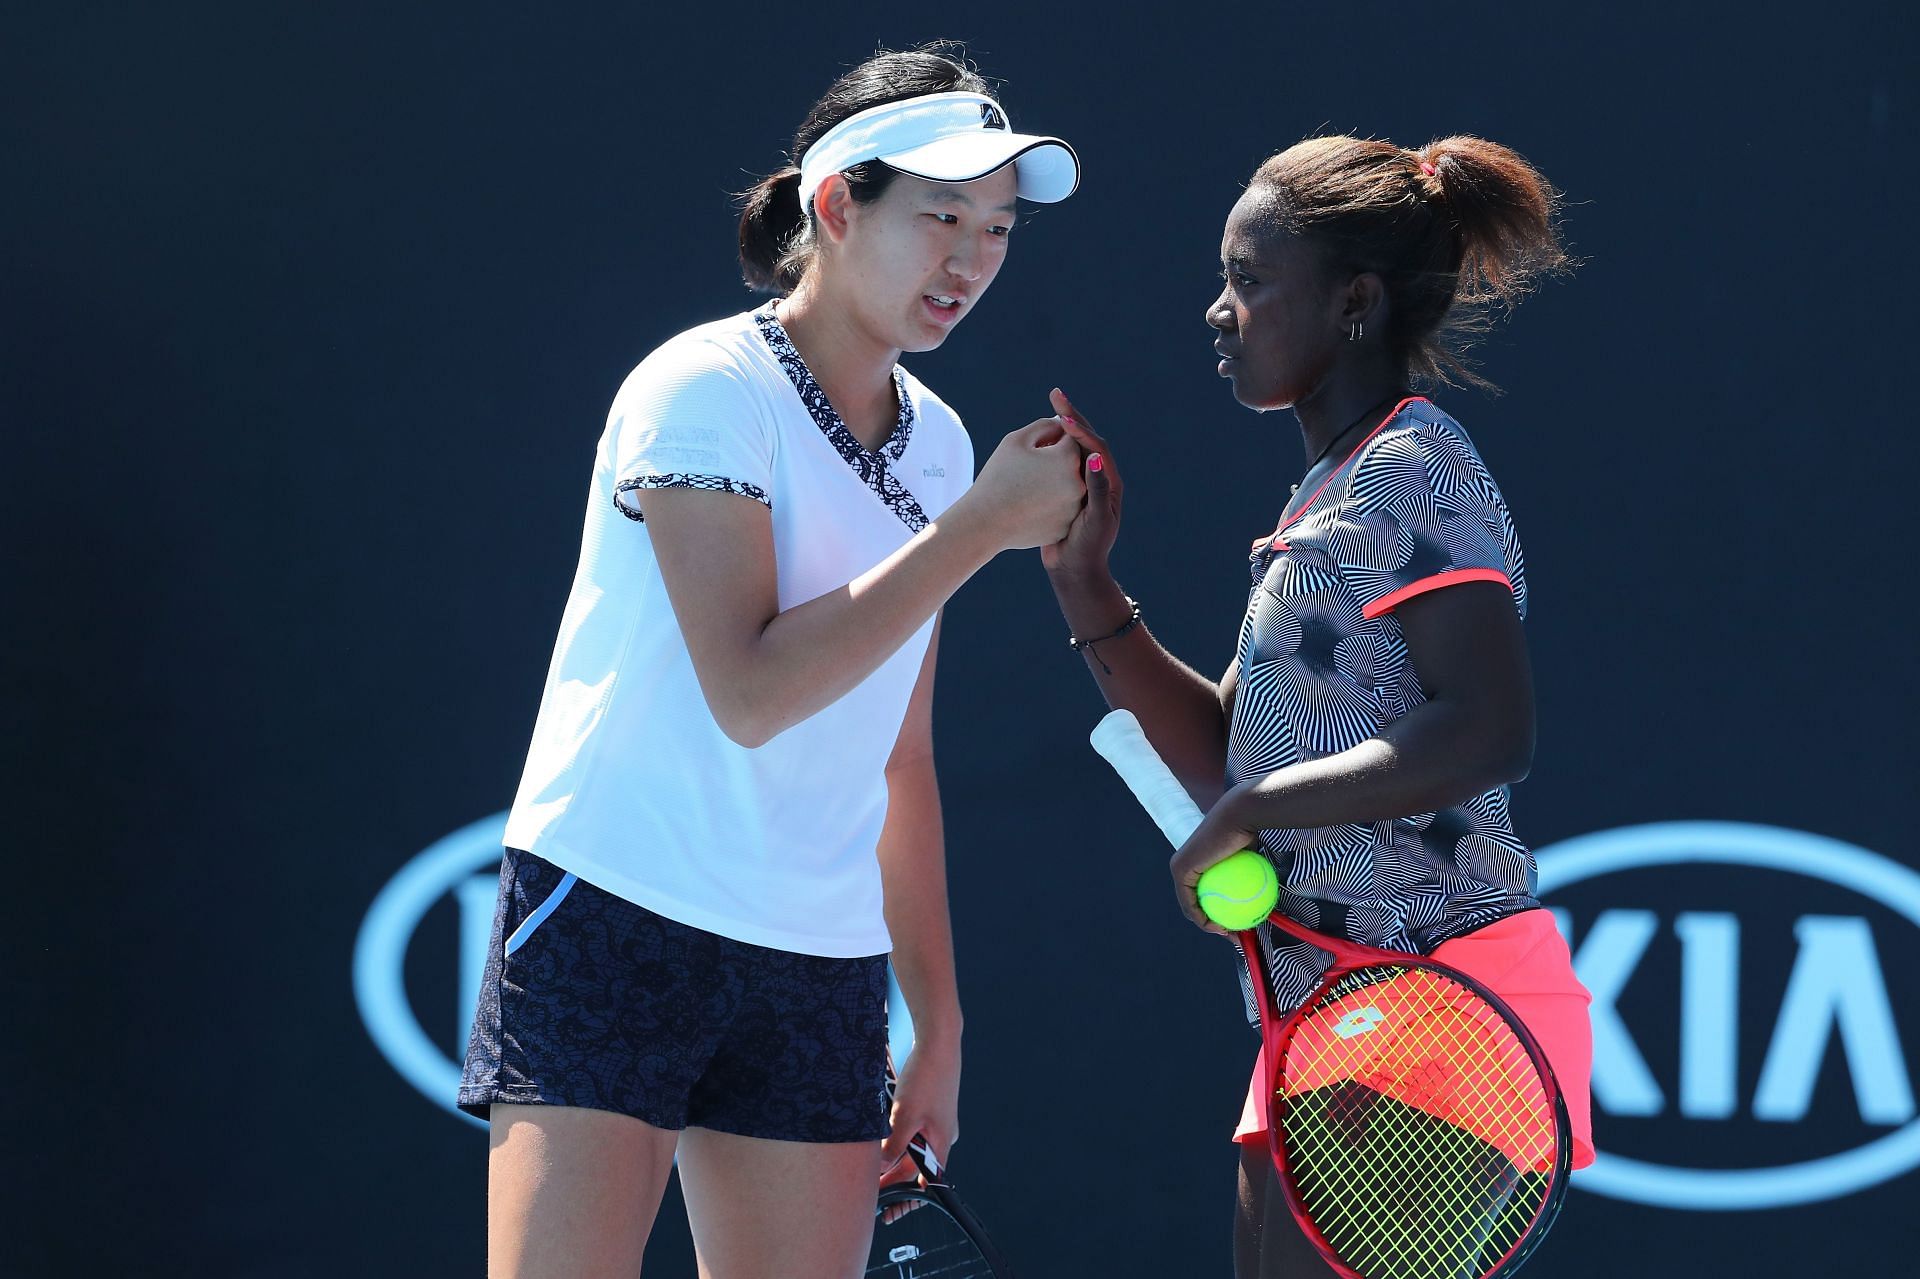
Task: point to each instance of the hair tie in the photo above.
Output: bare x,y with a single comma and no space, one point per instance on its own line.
1426,167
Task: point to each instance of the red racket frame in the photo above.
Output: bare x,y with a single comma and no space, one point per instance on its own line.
1277,1032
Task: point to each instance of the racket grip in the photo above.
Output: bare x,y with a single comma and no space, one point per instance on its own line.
923,1156
1122,743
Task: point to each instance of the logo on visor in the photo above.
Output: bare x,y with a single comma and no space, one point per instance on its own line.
990,117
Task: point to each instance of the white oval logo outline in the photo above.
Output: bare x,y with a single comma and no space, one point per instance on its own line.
1870,874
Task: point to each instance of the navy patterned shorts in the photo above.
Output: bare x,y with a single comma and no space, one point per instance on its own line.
589,1000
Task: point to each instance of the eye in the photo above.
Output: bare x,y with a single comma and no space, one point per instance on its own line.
1239,279
946,219
1002,231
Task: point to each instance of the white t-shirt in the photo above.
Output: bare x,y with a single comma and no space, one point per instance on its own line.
630,784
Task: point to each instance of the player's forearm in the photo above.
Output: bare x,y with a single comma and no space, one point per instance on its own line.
1178,707
913,870
813,654
1439,755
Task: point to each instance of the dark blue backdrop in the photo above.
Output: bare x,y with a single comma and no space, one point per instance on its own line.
311,316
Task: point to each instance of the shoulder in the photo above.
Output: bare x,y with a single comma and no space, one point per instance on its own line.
695,403
717,357
1420,450
928,406
935,420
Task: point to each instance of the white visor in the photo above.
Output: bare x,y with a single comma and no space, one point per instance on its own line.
943,137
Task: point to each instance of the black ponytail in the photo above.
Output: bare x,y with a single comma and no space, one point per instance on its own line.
776,234
769,221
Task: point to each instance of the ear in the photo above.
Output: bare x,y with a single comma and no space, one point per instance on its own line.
1364,302
833,207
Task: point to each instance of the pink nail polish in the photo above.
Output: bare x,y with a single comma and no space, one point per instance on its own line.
1094,463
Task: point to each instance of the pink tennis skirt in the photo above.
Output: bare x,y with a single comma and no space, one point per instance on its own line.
1524,960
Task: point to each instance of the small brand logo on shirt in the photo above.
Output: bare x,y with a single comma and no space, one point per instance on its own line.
935,472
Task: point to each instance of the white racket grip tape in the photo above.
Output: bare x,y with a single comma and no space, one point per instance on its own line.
1121,743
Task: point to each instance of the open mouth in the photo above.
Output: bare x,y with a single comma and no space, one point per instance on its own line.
945,307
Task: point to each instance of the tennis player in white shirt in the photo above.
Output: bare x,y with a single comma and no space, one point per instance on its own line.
729,818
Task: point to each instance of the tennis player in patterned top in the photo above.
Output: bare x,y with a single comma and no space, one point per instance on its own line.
1380,699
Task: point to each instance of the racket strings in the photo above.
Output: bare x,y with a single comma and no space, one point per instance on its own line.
1402,1224
1417,1132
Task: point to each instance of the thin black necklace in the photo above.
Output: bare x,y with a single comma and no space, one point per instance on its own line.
1365,413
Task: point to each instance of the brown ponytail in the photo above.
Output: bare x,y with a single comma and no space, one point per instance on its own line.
1458,230
1504,210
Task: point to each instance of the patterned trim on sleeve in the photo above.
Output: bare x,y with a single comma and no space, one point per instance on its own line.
873,468
711,483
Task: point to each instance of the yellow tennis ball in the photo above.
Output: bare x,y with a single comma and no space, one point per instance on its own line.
1239,892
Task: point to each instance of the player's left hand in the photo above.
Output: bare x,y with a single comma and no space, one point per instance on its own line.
1218,837
926,1101
1084,551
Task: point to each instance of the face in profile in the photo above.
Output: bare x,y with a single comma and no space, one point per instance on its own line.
917,260
1277,317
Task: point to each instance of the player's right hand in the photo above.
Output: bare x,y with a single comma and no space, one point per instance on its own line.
1088,542
1032,485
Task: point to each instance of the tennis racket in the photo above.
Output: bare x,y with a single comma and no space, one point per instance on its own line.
924,1231
1415,1126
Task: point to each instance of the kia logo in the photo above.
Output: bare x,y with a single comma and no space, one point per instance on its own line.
1835,989
1833,1002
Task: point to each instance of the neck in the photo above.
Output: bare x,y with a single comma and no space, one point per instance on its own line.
851,366
1352,391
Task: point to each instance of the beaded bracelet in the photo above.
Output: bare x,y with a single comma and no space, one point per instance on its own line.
1133,620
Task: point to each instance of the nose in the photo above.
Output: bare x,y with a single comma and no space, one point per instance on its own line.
966,263
1220,312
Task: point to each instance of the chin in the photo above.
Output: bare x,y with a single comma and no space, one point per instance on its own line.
1250,397
907,333
921,343
1264,399
920,337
